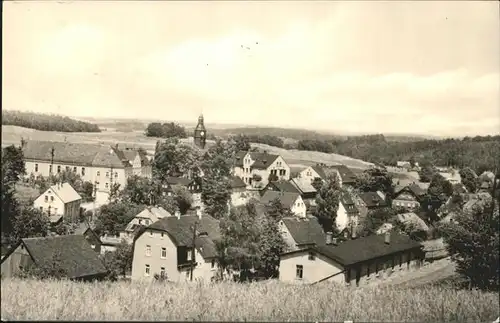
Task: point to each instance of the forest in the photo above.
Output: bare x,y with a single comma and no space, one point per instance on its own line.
46,122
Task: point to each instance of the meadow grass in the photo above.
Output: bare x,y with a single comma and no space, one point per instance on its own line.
264,301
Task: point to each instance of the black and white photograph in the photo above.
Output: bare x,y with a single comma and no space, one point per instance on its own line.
265,161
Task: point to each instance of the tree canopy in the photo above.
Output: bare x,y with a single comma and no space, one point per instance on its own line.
165,130
46,122
327,203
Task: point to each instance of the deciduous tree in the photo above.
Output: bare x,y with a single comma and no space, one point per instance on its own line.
327,202
469,179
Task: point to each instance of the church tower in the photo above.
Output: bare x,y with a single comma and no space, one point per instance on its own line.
200,133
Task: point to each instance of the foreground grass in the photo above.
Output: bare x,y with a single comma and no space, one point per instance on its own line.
269,301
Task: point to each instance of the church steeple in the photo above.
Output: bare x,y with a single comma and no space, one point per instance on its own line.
200,133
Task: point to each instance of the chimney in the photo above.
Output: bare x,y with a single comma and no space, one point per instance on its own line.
178,214
387,239
329,238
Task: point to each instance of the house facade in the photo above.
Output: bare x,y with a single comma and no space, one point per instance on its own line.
312,172
146,217
289,200
254,168
408,197
165,248
373,200
239,193
354,262
60,201
103,166
347,214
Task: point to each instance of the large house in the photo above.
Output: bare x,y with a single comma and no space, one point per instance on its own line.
347,214
300,233
373,200
60,201
72,254
254,168
345,175
103,166
290,201
353,262
408,197
313,172
165,248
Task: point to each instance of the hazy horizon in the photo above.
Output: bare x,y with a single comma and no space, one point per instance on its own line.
426,68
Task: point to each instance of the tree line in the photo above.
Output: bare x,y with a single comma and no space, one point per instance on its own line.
46,122
165,130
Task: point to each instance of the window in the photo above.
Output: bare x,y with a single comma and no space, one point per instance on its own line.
58,169
161,235
52,199
147,271
140,221
41,208
83,171
107,174
312,256
98,173
162,272
92,246
164,253
106,185
212,265
67,168
46,198
50,168
187,274
97,184
116,174
74,169
189,254
148,250
299,272
36,167
55,210
150,233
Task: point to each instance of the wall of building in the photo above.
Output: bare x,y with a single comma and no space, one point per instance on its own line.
313,270
406,200
12,265
72,211
240,196
55,203
299,207
309,173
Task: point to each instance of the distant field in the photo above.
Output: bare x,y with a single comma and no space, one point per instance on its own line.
13,135
264,301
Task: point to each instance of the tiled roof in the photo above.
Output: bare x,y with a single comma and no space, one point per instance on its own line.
410,217
366,248
65,192
152,213
372,199
284,186
237,182
346,174
287,199
75,254
261,160
413,188
303,185
73,154
320,171
305,231
348,202
178,181
181,231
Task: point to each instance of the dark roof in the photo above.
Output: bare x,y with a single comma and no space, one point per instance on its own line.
287,199
75,153
178,181
321,172
305,230
346,174
372,199
75,254
181,232
355,251
412,188
237,182
347,200
262,160
284,186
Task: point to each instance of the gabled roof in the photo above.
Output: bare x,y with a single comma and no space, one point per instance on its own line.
65,192
131,153
237,182
178,181
287,199
303,185
305,230
261,160
412,188
152,213
348,202
413,218
284,186
74,153
181,231
74,253
372,199
320,171
346,174
359,250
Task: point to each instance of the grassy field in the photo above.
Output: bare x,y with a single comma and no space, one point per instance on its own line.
13,135
268,301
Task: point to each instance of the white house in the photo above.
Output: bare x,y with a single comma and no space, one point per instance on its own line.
347,214
254,168
289,200
146,217
313,172
60,201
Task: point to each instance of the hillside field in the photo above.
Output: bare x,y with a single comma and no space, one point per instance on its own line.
263,301
13,135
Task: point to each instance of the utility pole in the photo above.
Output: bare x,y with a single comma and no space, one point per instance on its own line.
110,184
192,250
51,164
95,196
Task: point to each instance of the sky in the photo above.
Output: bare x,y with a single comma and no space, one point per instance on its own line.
415,67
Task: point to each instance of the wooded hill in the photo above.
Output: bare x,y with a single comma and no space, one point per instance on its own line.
46,122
